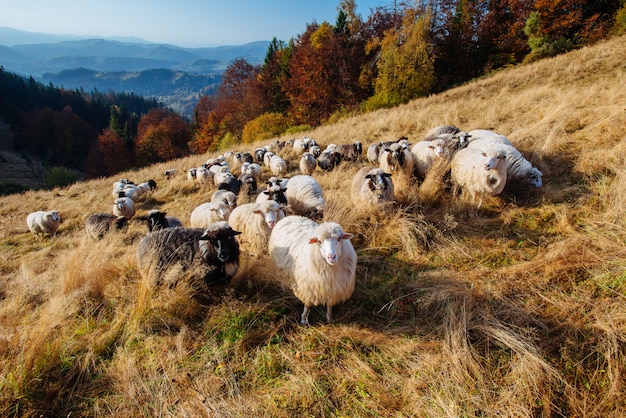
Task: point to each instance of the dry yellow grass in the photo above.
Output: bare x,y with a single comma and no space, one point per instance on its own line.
517,309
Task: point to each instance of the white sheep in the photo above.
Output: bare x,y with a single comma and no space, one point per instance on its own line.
488,134
308,163
372,187
478,172
519,169
267,157
191,173
44,222
397,159
207,213
255,221
124,206
225,196
317,262
204,175
278,166
426,153
254,169
170,173
305,196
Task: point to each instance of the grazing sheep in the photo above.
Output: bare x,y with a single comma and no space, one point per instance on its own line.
44,222
487,134
329,159
259,153
307,163
350,152
204,175
215,248
372,153
478,172
98,225
227,181
273,192
255,221
207,213
278,166
155,220
254,169
124,206
267,157
519,170
316,150
191,174
247,183
372,187
317,262
226,196
305,196
170,173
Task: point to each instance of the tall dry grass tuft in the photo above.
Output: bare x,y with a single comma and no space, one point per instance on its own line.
513,309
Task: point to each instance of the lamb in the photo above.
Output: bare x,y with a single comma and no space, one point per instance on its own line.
170,173
226,196
307,163
478,172
255,221
278,166
305,196
124,206
44,222
519,170
316,261
372,187
207,213
155,220
98,225
215,248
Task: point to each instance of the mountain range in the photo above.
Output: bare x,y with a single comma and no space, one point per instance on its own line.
172,74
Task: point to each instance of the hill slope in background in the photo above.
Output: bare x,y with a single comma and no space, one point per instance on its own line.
513,309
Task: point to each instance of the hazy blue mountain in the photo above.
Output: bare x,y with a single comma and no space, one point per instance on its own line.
174,75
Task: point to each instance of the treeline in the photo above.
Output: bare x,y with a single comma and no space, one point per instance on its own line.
399,53
95,133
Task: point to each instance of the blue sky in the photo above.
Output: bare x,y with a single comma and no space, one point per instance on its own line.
180,22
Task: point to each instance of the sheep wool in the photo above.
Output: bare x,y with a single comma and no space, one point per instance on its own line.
42,222
316,261
372,187
255,221
478,172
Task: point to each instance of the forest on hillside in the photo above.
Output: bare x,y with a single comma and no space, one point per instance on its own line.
331,70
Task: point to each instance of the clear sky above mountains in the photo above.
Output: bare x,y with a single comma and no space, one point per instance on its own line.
182,22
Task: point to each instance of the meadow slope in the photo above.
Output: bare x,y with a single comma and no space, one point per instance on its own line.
515,309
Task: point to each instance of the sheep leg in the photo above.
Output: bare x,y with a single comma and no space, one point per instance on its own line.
304,318
329,314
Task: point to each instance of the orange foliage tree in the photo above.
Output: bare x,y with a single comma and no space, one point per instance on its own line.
162,135
112,152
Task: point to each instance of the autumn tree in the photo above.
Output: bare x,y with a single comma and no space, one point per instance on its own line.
162,135
272,75
111,150
405,66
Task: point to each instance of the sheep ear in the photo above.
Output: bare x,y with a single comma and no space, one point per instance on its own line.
257,211
313,240
369,176
347,236
386,174
236,232
266,192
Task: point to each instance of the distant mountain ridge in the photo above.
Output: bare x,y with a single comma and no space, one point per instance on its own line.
49,57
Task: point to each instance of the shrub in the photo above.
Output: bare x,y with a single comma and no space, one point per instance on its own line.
60,177
266,126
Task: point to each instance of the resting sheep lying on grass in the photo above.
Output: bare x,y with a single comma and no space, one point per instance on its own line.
215,249
317,262
478,172
42,222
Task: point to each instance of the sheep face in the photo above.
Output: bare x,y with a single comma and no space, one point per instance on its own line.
222,212
493,161
534,177
378,184
221,243
156,220
277,194
330,245
54,215
274,214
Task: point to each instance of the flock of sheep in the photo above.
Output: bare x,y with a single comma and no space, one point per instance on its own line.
260,212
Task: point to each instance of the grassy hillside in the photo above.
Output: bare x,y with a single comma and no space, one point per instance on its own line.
514,309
